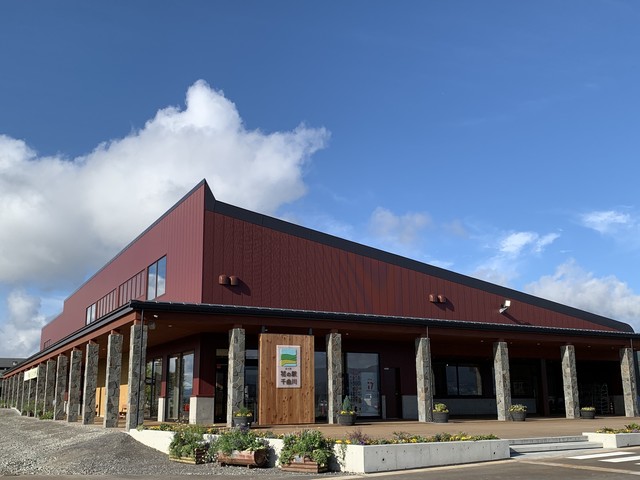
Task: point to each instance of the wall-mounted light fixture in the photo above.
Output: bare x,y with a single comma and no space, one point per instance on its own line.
223,280
505,306
233,280
433,298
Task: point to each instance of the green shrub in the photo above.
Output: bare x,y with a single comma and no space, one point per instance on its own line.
310,444
237,439
185,442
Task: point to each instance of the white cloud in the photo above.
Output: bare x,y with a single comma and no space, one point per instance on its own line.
20,334
512,249
60,218
607,296
397,229
514,243
606,221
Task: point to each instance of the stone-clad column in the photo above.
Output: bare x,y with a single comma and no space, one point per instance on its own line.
570,381
114,368
61,387
75,376
334,375
629,387
32,394
50,385
423,376
502,378
16,390
14,387
40,383
90,384
137,376
23,392
235,382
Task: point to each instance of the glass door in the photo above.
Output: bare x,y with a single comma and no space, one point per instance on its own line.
153,384
179,386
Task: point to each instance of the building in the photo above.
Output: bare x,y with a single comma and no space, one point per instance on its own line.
214,307
6,364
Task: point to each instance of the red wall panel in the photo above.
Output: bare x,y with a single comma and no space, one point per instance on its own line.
282,270
178,235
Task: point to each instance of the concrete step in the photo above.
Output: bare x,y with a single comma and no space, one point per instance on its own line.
551,444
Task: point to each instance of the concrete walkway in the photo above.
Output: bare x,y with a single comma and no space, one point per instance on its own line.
531,428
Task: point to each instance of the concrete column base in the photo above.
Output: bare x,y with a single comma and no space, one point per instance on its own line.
161,408
201,410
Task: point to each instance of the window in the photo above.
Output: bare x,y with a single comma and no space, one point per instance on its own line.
463,380
91,314
157,279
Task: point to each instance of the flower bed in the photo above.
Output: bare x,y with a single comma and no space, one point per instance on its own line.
629,436
359,454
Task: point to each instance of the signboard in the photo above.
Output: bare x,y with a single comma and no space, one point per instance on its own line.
288,366
31,374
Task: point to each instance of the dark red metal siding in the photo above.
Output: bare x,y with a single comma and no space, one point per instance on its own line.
178,235
284,271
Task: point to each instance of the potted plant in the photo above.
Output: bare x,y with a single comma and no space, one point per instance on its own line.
440,413
242,417
518,412
347,415
305,451
240,446
188,446
588,412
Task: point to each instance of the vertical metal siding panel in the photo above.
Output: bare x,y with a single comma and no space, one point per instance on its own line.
300,273
226,251
384,290
249,263
344,283
218,257
276,270
267,269
351,289
209,278
238,263
397,283
406,296
367,285
257,280
418,296
375,286
321,278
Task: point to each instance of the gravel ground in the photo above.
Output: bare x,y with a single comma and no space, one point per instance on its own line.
29,446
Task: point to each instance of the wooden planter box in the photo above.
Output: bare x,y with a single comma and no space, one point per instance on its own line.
257,458
200,457
306,466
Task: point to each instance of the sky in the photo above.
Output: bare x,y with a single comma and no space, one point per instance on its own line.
497,139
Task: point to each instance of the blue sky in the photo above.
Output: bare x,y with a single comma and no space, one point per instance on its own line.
497,139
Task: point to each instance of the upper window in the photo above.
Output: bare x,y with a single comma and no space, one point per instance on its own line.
91,314
157,279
